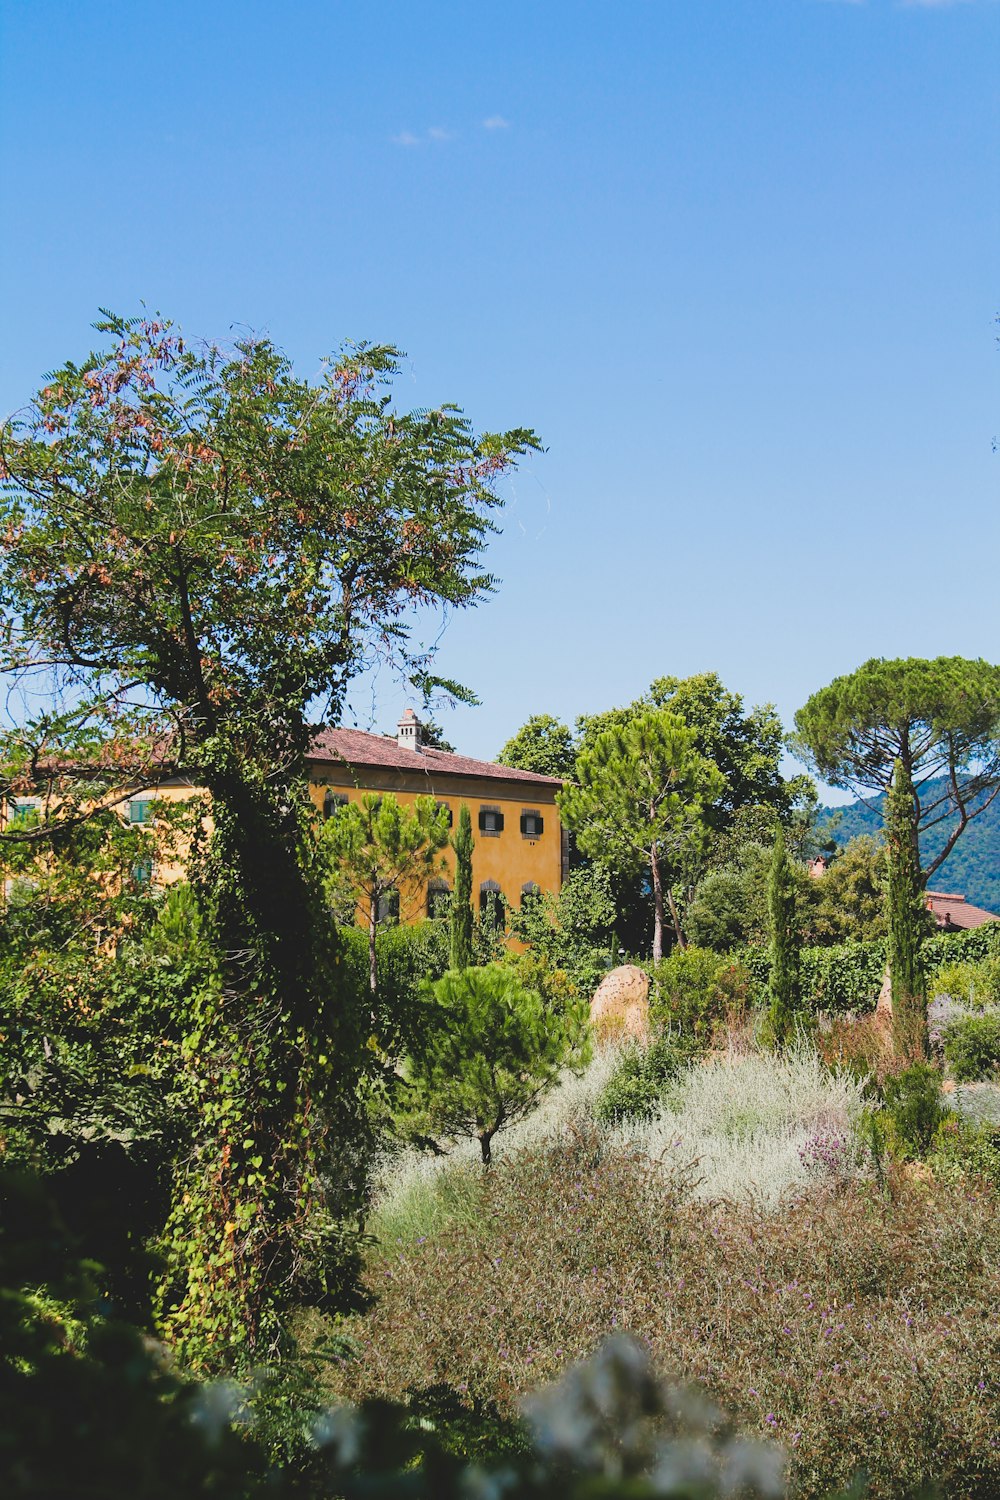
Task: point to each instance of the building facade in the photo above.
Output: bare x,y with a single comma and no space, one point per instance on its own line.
519,848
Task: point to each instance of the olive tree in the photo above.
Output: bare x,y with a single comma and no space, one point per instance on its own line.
379,847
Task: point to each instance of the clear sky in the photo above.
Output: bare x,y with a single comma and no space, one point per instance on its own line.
735,260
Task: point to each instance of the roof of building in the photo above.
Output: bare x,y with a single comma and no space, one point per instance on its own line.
952,910
357,748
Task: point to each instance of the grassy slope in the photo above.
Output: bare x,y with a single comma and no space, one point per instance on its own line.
852,1325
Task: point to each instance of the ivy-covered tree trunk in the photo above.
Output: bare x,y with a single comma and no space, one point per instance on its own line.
275,1047
785,942
906,919
461,901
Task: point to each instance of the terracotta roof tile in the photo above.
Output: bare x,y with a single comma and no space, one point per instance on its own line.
952,910
360,749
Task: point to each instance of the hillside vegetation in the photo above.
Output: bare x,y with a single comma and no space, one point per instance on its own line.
972,868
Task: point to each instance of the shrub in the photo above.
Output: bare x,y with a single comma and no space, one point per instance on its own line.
695,990
636,1089
743,1121
962,1148
972,984
914,1109
972,1046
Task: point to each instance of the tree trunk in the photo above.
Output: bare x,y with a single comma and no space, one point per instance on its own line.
654,864
486,1146
675,918
372,950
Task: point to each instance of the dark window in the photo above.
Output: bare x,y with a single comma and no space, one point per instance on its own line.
142,872
140,812
491,904
438,898
532,823
23,811
443,806
530,892
333,802
388,906
490,821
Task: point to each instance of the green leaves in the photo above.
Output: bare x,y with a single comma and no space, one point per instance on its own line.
490,1052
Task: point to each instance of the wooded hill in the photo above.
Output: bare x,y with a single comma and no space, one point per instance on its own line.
973,867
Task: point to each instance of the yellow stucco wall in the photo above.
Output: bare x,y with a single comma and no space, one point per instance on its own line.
509,859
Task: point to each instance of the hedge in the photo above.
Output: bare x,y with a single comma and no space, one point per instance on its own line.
848,976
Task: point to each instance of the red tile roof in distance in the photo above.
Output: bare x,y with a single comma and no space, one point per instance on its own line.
952,910
360,749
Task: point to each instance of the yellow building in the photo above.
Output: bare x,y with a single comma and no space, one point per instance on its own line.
519,844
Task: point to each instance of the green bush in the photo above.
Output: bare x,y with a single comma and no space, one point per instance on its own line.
962,1149
694,990
636,1088
914,1108
976,984
972,1047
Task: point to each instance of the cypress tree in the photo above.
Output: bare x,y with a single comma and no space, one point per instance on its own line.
784,985
906,919
461,901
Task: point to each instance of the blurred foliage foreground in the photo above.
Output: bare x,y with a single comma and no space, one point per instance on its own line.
90,1408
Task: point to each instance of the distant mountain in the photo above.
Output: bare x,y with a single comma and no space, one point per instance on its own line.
972,869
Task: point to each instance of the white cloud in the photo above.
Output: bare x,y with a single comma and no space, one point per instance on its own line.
931,4
404,138
496,122
438,133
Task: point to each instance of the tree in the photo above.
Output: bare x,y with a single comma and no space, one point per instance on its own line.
381,847
746,746
784,981
848,900
906,920
197,548
492,1053
542,745
640,795
573,932
461,899
939,717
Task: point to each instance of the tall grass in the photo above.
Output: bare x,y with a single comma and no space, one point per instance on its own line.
749,1125
755,1124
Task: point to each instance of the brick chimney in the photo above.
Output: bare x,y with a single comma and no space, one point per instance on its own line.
408,731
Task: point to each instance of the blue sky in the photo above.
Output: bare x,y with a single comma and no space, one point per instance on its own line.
735,260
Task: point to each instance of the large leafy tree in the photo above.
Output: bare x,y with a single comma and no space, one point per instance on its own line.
940,718
379,847
544,745
197,549
640,795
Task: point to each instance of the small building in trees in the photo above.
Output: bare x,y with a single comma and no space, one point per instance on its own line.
953,913
519,842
